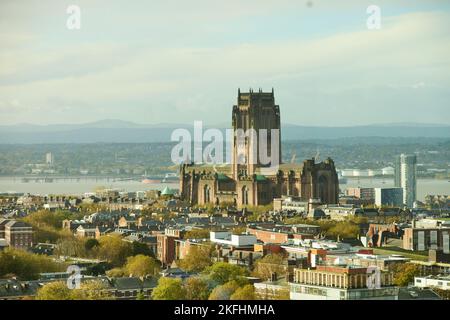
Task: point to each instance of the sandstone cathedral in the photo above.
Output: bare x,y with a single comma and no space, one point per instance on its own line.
246,180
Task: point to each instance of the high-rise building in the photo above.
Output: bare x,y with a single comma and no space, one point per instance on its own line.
405,177
49,158
389,197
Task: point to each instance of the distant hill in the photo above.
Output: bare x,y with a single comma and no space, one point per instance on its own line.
128,132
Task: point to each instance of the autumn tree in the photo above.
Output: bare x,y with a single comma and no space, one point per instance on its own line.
25,265
225,291
197,288
197,259
269,264
404,273
90,290
246,292
114,249
141,266
169,289
222,272
54,291
70,247
197,234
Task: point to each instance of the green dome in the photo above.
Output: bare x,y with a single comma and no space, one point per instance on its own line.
167,192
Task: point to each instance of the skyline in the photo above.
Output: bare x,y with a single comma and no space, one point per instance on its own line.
136,64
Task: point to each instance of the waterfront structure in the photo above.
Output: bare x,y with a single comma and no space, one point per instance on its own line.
389,197
246,180
405,177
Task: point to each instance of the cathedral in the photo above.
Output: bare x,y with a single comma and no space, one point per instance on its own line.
246,181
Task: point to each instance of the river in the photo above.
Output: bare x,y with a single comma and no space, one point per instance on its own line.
85,184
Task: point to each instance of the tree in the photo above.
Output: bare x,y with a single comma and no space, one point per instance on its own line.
141,248
141,266
90,290
404,273
269,264
140,296
225,291
54,291
197,288
25,265
246,292
197,234
114,249
197,259
116,273
90,244
70,247
169,289
222,272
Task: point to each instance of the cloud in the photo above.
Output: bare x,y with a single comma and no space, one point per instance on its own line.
182,66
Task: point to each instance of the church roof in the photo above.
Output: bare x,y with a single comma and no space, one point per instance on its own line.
260,177
223,177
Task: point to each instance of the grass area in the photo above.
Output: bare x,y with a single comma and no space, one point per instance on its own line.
414,255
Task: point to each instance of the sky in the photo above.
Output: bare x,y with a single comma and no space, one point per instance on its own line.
180,61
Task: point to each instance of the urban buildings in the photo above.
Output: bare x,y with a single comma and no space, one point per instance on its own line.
361,193
341,283
440,282
247,181
17,234
405,177
427,234
389,197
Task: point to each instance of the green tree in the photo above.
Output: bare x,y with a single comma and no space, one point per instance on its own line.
169,289
246,292
90,244
114,249
90,290
197,259
116,273
25,265
197,234
54,291
222,272
225,291
141,248
141,266
197,288
140,296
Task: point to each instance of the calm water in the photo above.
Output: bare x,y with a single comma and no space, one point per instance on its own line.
74,186
424,186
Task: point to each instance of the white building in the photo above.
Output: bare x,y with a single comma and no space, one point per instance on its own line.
405,177
234,240
49,158
440,282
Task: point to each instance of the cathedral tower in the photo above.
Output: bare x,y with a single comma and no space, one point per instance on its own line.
254,111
